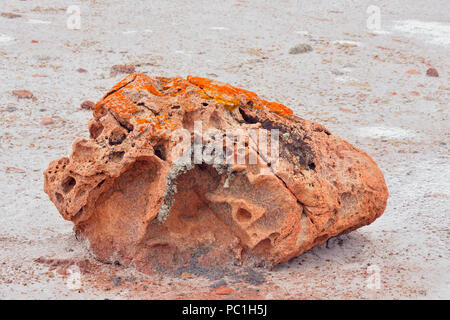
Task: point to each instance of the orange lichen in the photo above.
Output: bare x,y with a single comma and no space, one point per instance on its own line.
120,104
176,86
144,82
277,107
150,126
233,97
223,93
114,100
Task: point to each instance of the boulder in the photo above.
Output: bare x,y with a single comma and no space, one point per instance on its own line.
192,171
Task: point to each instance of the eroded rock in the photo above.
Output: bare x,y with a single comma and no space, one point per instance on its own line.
130,191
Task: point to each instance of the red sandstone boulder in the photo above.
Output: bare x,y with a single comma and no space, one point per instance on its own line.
146,190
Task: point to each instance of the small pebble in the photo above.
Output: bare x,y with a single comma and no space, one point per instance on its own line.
219,284
223,291
61,271
432,72
87,105
10,15
412,71
116,281
300,48
47,121
11,109
187,275
337,72
23,94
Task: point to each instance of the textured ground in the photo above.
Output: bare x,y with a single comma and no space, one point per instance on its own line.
356,82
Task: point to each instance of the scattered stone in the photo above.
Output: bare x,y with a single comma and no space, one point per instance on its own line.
412,71
187,275
47,121
301,48
116,281
82,70
128,192
62,272
223,291
432,72
11,109
14,169
130,279
358,84
122,68
347,44
87,105
337,72
252,277
345,109
23,94
10,15
219,284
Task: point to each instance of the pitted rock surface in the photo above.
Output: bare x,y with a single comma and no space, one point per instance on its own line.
128,194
